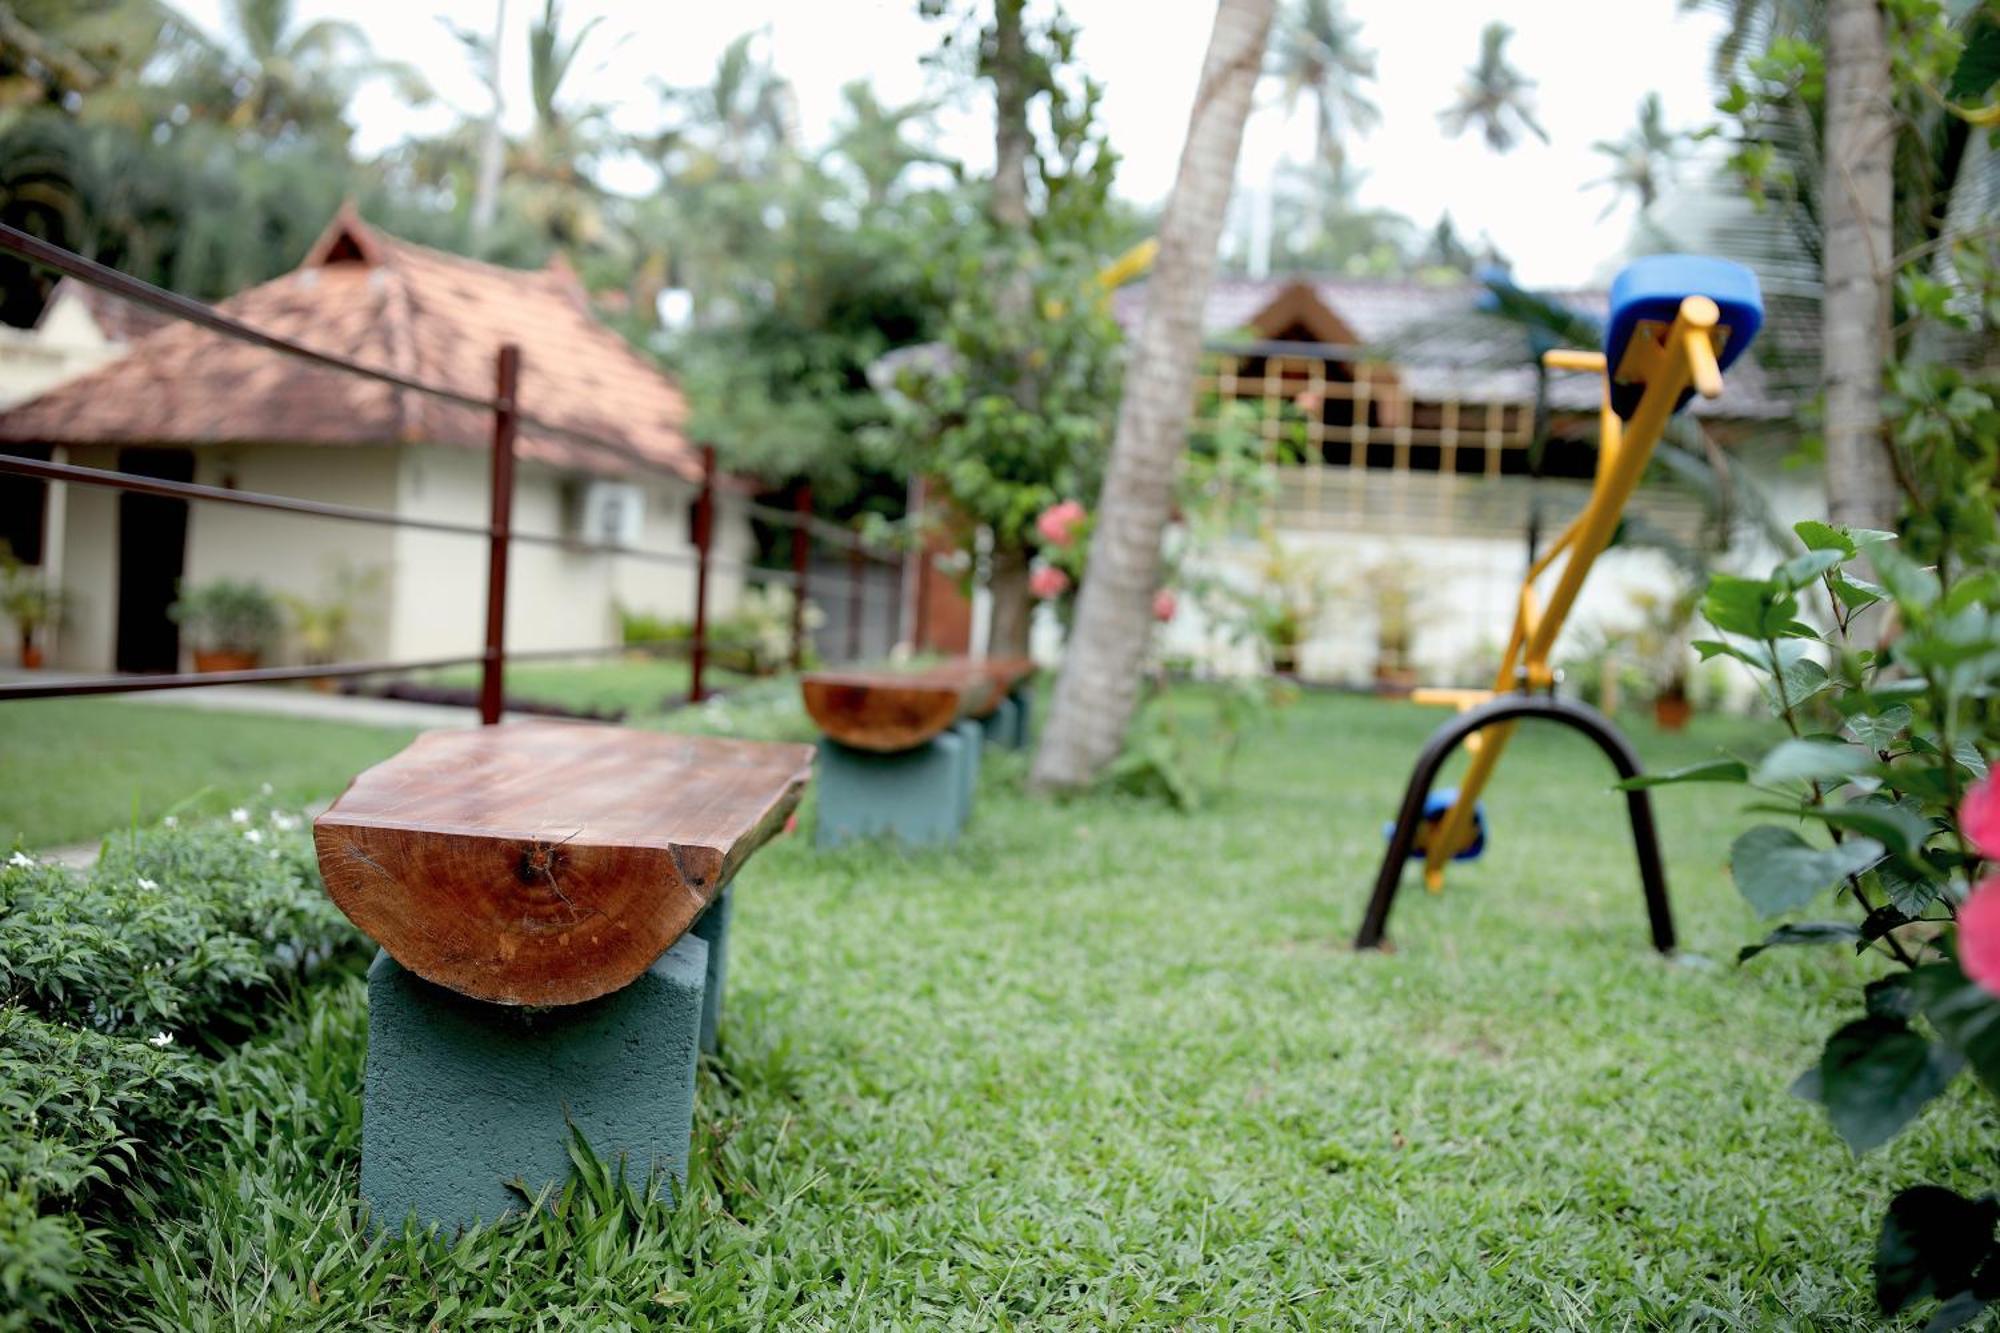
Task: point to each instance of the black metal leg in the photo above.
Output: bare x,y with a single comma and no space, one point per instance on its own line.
1507,708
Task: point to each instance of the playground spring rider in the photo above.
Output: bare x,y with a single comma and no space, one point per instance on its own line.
1677,321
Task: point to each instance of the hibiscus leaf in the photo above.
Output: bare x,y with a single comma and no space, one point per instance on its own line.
1800,932
1876,1075
1777,871
1933,1242
1708,770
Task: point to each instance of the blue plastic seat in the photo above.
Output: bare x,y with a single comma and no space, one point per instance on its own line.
1436,806
1652,289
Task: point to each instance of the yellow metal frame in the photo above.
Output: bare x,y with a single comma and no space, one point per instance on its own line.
1668,362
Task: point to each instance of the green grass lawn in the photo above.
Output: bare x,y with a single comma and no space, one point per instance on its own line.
637,685
75,769
1104,1065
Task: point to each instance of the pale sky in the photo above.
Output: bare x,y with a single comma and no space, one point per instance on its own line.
1584,54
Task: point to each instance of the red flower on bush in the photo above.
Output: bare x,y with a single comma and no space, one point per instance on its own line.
1048,583
1979,817
1979,934
1164,605
1060,523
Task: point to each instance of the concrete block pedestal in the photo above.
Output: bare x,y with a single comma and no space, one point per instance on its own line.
972,743
1024,716
712,927
917,796
1002,724
464,1100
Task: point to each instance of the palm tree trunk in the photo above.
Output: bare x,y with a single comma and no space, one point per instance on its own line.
1857,264
1010,135
1099,684
1008,624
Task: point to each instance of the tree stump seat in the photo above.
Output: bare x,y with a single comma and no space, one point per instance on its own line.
900,754
549,863
553,903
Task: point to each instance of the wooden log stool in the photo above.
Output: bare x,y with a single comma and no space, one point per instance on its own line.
552,904
899,754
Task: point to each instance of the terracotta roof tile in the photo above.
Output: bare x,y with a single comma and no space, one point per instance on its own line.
369,297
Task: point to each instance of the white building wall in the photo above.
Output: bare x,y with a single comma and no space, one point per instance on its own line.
557,596
65,343
295,554
428,597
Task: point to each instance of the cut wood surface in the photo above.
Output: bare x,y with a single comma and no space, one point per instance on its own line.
890,710
1007,673
548,863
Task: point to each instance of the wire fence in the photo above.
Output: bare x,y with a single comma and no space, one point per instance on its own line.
847,594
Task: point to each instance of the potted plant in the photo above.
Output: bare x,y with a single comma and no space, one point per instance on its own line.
30,603
321,624
1661,643
1394,595
1292,593
232,624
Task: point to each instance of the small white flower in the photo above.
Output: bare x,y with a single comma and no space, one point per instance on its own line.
239,816
284,821
171,821
266,789
21,859
253,835
148,884
161,1040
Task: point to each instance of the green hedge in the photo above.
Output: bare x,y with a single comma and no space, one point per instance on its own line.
117,990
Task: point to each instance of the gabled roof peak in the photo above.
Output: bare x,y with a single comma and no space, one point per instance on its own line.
346,240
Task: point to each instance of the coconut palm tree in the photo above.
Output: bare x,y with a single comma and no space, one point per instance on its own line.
298,80
1644,160
1098,688
733,125
872,139
1315,53
1857,196
1494,96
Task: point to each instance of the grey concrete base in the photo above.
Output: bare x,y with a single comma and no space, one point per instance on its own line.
1024,717
915,796
466,1104
712,926
972,743
1001,724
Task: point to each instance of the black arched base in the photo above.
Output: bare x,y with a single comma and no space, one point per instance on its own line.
1507,708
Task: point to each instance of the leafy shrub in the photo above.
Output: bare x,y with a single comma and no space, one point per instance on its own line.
1887,739
228,616
112,986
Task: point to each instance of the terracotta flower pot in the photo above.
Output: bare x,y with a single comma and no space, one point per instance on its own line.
31,656
1672,711
216,659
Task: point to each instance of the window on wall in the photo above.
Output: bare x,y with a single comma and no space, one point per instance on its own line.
24,504
1342,412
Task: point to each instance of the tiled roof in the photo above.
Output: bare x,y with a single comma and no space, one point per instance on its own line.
1437,340
118,319
366,296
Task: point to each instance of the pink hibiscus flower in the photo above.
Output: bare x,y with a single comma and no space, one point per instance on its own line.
1047,582
1979,934
1164,605
1060,523
1979,817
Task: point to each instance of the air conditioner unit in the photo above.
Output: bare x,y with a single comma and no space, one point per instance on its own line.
609,513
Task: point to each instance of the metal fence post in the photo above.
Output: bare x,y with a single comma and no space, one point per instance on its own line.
801,560
500,521
704,539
